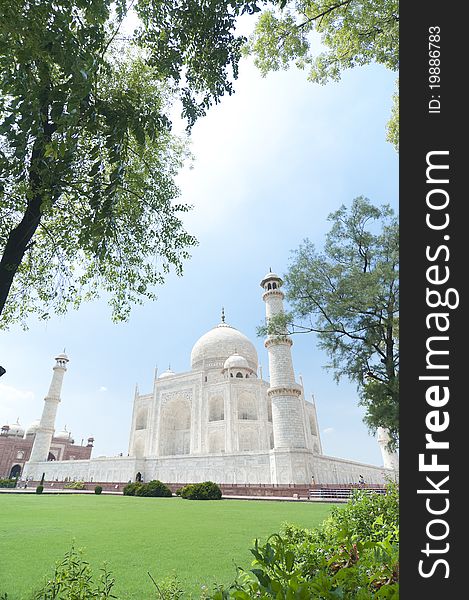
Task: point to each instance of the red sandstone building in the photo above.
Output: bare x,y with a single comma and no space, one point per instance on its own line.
16,444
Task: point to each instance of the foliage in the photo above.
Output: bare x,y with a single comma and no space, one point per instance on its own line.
392,127
168,588
351,33
154,488
131,488
206,490
349,296
75,485
8,483
39,489
98,489
353,555
367,516
87,158
73,580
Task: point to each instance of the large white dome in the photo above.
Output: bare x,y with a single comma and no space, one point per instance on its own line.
214,347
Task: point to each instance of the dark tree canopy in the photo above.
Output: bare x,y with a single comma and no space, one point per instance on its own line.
87,158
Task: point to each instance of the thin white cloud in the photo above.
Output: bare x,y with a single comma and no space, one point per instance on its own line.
328,430
103,388
14,403
9,393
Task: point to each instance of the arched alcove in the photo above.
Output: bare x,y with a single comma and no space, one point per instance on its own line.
142,418
216,409
175,427
15,471
312,425
247,409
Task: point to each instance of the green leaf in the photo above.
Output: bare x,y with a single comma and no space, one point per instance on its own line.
263,578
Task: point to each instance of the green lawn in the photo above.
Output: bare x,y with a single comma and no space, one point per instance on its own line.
201,541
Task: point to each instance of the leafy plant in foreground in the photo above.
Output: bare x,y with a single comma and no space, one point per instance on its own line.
354,555
73,580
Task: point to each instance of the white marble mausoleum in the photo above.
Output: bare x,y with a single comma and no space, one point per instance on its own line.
219,421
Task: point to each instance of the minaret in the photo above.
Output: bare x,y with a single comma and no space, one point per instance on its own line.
45,431
285,393
390,458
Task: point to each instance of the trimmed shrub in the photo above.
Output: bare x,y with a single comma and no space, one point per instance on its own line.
98,489
207,490
131,488
39,489
178,491
155,489
8,483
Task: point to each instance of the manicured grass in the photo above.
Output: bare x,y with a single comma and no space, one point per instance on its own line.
200,541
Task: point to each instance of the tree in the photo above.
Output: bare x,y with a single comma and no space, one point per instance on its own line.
349,296
393,123
352,33
87,159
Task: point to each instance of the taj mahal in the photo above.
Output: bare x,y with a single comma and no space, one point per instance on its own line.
220,421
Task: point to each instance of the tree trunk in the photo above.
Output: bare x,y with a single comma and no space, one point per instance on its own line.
16,247
20,236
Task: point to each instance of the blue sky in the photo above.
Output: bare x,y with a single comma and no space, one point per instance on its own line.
271,162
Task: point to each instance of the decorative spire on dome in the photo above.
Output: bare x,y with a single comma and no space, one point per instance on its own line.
223,322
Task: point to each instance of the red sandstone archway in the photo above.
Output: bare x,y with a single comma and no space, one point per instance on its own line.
15,471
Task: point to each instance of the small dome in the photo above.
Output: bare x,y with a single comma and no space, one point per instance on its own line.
271,275
236,361
16,429
63,435
167,373
271,279
33,427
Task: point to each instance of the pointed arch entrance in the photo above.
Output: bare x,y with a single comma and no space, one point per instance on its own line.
15,471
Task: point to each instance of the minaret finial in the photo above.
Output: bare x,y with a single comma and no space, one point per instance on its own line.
222,314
